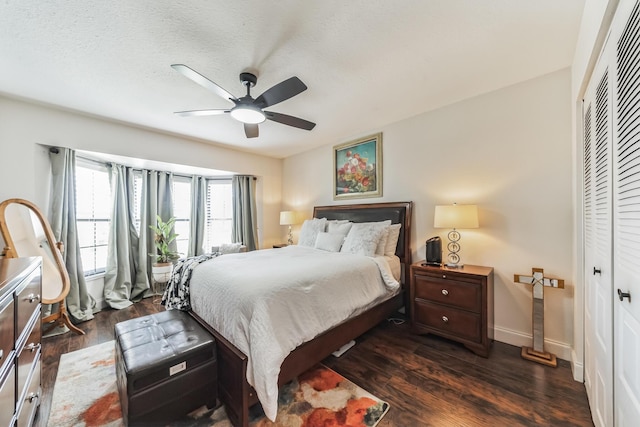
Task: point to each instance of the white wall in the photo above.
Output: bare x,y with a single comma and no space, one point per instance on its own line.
507,151
24,163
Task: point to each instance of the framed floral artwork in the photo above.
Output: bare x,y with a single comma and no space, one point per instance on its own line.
357,168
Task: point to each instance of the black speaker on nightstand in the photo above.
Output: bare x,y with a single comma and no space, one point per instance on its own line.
434,251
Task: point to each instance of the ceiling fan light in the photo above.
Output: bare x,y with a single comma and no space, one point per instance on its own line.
248,114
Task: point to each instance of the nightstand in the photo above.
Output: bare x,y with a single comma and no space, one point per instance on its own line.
280,245
455,303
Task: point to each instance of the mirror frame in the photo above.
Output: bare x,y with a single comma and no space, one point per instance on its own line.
61,316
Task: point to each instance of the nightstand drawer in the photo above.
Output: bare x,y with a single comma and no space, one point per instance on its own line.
449,321
465,295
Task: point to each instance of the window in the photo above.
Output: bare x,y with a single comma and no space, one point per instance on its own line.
219,223
93,214
182,212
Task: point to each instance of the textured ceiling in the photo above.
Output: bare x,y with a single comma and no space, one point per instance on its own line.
366,63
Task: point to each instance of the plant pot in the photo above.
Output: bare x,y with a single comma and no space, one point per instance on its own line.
161,272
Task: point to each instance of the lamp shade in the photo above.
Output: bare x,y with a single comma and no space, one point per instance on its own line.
288,218
456,216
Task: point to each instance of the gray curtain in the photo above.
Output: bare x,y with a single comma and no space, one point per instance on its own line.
245,229
124,280
198,216
156,199
80,304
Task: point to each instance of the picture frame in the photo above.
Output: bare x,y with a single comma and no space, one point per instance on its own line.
357,168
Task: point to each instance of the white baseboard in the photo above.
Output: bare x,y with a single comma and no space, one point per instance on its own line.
577,367
517,338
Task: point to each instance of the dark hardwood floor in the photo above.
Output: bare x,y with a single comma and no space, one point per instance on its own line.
428,381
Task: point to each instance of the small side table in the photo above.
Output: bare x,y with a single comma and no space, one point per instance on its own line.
455,303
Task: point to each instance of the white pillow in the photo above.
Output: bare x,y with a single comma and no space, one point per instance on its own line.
363,237
382,243
392,239
336,222
329,241
309,231
339,227
230,248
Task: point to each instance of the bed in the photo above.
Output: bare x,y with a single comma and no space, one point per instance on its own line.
233,387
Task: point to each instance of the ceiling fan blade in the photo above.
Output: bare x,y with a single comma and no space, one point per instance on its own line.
251,130
201,113
202,81
280,92
289,120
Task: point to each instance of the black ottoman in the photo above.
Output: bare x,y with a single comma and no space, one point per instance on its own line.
165,367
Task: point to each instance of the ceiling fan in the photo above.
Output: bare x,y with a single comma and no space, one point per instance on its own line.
248,110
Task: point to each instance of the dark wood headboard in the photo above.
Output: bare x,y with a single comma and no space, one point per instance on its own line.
397,212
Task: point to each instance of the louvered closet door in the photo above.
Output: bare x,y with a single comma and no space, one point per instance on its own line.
597,234
627,215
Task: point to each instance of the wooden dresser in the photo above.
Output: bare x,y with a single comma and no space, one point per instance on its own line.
453,303
20,334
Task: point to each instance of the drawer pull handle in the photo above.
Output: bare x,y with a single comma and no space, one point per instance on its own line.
444,276
445,292
33,346
33,297
32,396
445,319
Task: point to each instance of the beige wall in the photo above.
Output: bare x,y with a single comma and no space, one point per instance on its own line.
509,152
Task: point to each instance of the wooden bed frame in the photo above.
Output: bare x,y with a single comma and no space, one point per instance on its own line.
233,389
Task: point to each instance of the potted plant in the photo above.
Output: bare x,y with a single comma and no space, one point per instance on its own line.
161,269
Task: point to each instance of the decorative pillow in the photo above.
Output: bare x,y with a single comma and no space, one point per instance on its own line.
230,248
309,231
339,227
363,237
336,222
392,239
329,241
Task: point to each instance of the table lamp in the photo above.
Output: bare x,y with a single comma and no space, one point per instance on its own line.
455,216
289,218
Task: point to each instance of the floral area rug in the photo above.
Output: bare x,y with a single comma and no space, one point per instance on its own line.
85,394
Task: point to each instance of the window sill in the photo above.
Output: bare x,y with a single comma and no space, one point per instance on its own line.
94,277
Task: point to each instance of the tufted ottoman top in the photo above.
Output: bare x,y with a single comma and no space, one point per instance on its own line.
162,345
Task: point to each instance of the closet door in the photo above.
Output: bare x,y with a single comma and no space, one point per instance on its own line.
627,215
598,262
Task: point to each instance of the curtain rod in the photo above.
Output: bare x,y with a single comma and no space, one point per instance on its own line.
181,175
55,150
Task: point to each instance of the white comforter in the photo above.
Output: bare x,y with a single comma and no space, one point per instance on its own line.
268,302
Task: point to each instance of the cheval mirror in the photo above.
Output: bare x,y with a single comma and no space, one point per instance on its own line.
27,233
